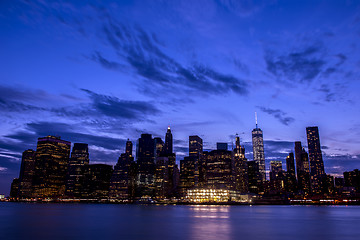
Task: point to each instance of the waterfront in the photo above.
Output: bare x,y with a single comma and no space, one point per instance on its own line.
113,221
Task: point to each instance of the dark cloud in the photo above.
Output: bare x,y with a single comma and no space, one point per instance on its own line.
278,114
329,95
115,107
143,54
302,66
112,65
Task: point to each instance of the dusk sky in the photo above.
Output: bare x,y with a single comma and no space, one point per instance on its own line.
104,71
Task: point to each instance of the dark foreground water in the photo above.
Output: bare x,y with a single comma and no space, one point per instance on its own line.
107,221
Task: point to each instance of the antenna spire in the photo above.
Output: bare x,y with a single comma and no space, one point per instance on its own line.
256,119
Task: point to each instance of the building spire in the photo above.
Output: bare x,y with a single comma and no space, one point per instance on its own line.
256,120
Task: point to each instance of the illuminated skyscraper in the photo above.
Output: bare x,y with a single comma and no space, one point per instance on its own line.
51,164
76,170
239,168
195,146
218,166
158,147
302,168
255,184
277,177
258,151
122,182
275,169
168,145
129,148
26,173
291,184
317,172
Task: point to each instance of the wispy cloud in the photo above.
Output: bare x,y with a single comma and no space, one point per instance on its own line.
278,114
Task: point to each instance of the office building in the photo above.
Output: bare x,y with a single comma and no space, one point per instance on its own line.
317,172
77,167
51,165
26,176
258,151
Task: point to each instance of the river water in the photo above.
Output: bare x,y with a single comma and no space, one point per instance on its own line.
116,221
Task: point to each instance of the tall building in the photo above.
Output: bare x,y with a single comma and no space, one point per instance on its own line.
168,145
352,179
51,164
158,147
129,148
255,183
277,180
122,182
258,151
302,168
26,173
187,174
76,170
239,168
195,146
291,184
317,172
97,182
218,165
14,190
146,165
275,169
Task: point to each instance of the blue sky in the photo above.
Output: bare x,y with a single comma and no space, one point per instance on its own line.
103,71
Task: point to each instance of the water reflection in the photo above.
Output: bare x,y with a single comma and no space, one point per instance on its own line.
210,222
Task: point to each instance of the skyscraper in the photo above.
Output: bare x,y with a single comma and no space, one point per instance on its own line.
146,164
98,181
218,166
77,170
158,147
122,184
302,168
195,146
239,168
51,164
258,151
317,172
129,148
26,173
168,145
291,184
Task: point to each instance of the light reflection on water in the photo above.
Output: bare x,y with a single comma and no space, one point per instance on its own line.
111,221
211,222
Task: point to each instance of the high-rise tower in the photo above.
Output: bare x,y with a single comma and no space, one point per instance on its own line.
51,165
258,150
195,146
168,146
26,173
76,170
317,172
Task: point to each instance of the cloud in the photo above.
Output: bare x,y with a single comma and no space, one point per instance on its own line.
143,54
278,114
112,65
117,108
301,66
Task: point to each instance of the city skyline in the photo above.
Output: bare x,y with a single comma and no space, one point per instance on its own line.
222,174
103,72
